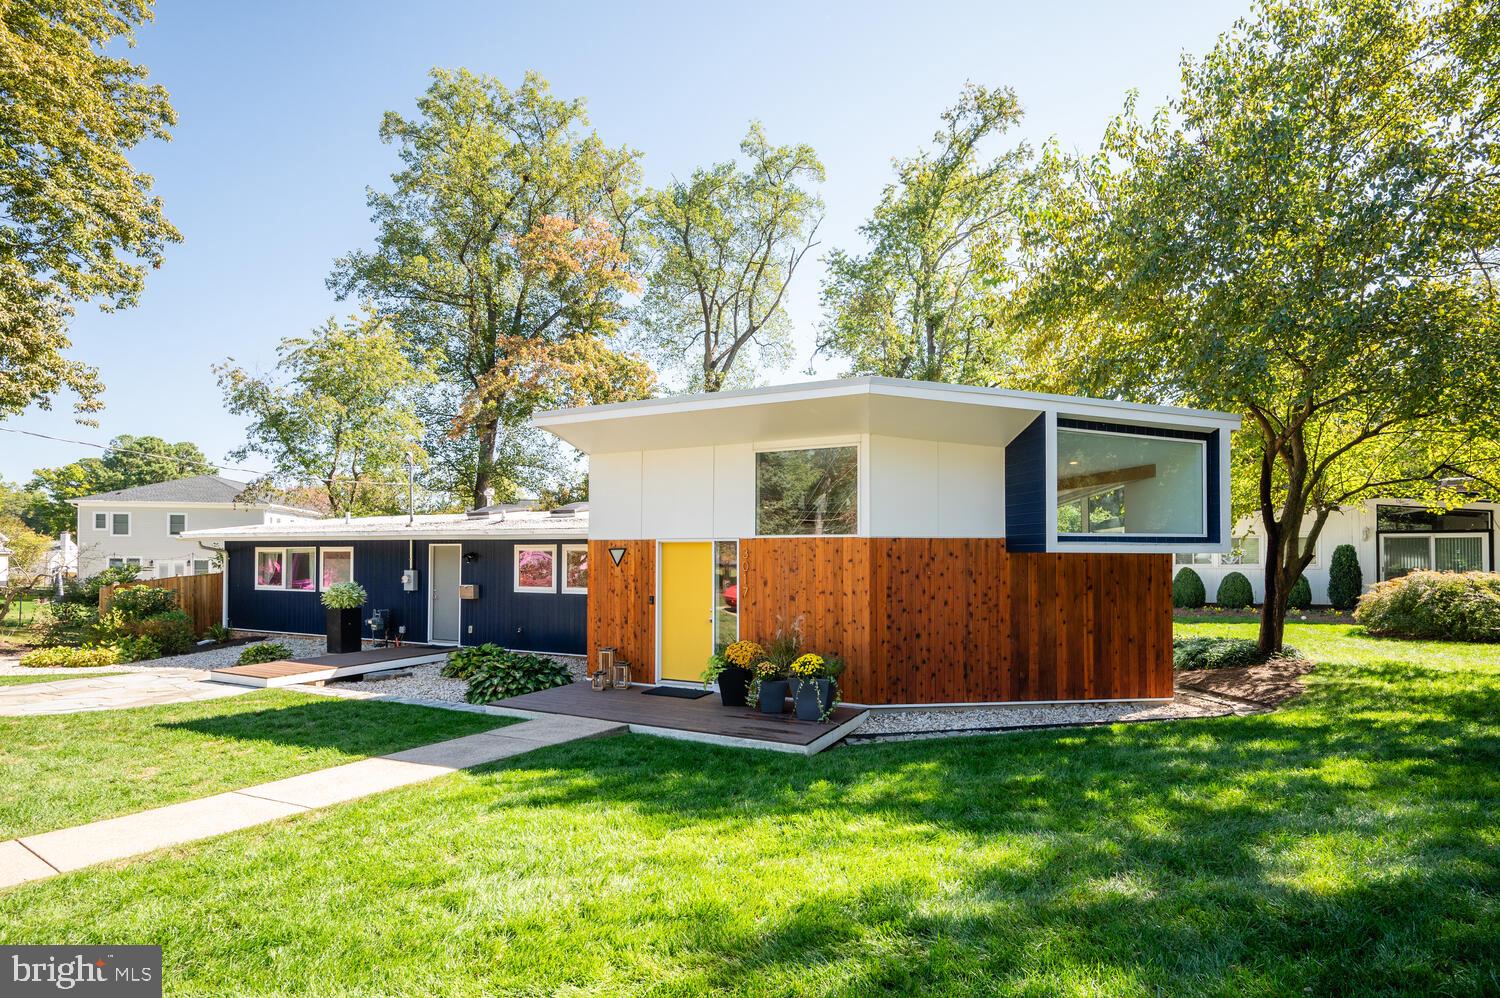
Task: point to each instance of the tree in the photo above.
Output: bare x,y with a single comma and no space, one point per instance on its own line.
339,412
727,244
1307,235
925,301
77,222
127,462
28,561
505,232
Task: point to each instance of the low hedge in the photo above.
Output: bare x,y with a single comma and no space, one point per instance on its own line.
1449,606
1187,590
1234,592
495,673
269,651
1220,653
87,657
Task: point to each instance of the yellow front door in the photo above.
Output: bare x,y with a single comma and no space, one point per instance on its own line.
687,628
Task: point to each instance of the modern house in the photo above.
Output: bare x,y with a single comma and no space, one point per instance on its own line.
144,525
511,575
953,544
1391,537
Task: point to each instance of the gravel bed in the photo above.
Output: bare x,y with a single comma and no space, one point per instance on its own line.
210,658
897,723
427,683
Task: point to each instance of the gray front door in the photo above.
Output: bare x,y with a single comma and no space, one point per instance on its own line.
444,622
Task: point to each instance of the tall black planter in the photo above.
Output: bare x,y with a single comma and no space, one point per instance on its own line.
773,696
343,630
734,685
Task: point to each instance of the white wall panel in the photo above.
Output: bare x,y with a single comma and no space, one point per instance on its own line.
903,487
678,493
971,491
615,496
734,491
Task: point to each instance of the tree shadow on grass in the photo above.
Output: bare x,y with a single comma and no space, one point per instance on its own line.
356,727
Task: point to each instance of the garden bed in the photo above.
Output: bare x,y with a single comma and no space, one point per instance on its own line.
1268,684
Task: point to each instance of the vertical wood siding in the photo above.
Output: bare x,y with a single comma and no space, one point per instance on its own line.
621,607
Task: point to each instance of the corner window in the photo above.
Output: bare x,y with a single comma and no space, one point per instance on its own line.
101,521
1126,484
814,491
284,568
119,524
176,523
575,568
337,566
536,568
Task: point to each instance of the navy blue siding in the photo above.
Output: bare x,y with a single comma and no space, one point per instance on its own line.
554,622
1026,488
1210,438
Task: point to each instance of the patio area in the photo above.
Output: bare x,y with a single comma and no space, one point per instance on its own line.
704,719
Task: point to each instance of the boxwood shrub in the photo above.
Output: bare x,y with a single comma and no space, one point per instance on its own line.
268,651
1234,592
1219,653
1187,590
1446,605
1300,598
495,673
1345,580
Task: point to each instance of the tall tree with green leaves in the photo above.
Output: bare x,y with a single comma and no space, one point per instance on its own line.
128,461
927,299
504,236
77,222
1308,235
727,243
338,413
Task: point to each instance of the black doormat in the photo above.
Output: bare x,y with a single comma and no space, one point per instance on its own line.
674,691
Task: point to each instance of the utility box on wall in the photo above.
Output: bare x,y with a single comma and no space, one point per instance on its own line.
409,580
468,591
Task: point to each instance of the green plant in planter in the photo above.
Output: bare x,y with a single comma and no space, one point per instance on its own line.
713,670
764,671
345,596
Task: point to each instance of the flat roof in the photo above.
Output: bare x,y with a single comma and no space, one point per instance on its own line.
926,410
512,525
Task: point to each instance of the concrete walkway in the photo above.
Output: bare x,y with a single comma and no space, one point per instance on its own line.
34,857
137,689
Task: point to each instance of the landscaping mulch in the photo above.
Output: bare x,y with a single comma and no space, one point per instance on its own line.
1214,614
1268,685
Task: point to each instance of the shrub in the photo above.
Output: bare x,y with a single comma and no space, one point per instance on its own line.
495,673
87,591
1187,590
87,657
140,602
1234,592
61,623
1219,653
1300,598
172,631
218,632
137,648
345,596
266,651
1445,605
1345,581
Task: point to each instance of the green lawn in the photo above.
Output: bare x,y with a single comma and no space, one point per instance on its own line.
68,769
53,677
1347,844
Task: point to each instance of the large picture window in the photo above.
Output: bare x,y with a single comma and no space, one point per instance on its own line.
285,568
576,569
536,568
1124,484
337,566
811,491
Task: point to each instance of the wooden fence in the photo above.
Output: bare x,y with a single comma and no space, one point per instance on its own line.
200,596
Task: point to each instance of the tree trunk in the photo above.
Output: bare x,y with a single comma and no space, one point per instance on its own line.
1273,602
484,465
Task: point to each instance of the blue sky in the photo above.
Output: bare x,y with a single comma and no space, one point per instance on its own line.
279,103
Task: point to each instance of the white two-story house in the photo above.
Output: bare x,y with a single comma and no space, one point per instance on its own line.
143,526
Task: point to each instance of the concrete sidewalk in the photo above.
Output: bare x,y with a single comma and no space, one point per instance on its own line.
34,857
135,689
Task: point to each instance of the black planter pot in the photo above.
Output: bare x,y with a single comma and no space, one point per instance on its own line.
734,685
343,630
773,696
812,698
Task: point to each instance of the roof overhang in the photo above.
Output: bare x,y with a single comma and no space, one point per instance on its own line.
887,406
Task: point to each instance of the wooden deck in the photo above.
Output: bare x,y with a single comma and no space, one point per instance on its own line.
321,668
704,719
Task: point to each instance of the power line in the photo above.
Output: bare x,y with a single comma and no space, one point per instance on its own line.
183,461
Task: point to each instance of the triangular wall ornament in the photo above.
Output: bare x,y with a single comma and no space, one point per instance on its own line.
617,554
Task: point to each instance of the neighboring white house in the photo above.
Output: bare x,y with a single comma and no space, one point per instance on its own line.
143,525
4,561
1390,536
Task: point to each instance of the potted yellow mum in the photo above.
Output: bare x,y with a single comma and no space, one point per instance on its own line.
814,685
732,671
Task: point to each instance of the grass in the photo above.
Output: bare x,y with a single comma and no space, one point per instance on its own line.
67,769
53,677
1346,844
21,613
